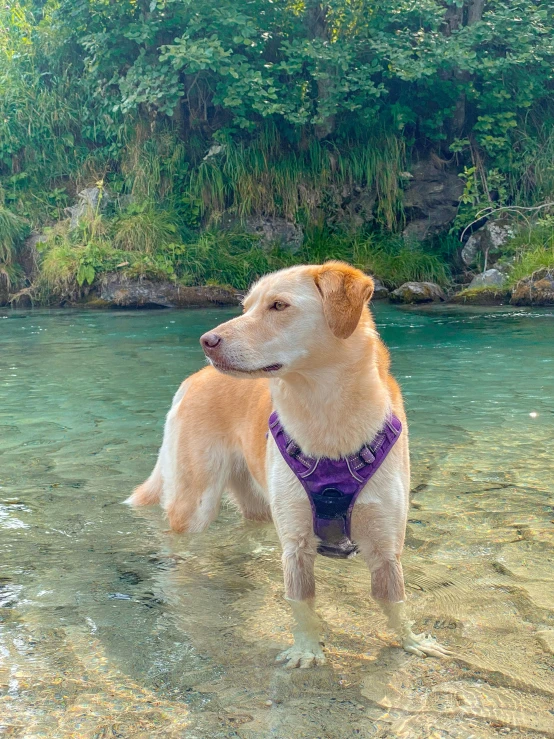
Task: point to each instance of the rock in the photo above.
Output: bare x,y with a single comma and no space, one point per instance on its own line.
348,206
214,151
471,248
538,289
380,292
431,199
27,256
546,639
504,265
355,209
271,231
490,278
482,296
418,292
118,291
487,240
91,201
276,231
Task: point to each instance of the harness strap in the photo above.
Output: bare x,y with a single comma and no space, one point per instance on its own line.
332,485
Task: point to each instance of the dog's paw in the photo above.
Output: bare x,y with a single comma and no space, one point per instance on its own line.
424,645
303,657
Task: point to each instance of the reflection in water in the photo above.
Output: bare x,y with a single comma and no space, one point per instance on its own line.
110,626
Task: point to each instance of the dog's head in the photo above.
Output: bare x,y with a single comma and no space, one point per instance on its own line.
293,320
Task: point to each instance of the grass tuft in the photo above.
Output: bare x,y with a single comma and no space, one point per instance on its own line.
531,250
265,176
13,230
145,228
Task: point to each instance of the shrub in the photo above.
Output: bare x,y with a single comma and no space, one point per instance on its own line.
532,249
145,229
12,231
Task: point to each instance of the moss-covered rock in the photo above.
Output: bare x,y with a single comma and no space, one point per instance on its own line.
537,289
491,278
482,296
418,292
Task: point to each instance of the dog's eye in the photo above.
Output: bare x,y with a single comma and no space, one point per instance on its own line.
278,305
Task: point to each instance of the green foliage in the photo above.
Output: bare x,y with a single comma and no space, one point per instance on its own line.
261,176
143,242
531,260
395,263
12,231
200,111
48,135
72,259
144,228
229,259
237,260
532,249
391,259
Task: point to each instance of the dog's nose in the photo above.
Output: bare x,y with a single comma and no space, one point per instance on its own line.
210,341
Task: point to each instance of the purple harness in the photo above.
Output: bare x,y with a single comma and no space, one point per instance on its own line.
333,485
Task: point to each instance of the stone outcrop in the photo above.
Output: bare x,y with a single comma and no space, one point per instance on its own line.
488,240
431,199
482,296
418,292
380,292
537,289
27,255
92,200
271,231
118,291
490,278
278,231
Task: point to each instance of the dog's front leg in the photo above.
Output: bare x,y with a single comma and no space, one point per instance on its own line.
387,588
424,645
298,568
292,515
379,533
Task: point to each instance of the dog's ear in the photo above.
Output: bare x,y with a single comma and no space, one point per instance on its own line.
345,291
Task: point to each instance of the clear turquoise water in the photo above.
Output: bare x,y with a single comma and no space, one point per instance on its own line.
110,626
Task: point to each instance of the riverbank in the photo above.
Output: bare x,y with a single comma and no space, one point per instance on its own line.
140,256
115,290
67,265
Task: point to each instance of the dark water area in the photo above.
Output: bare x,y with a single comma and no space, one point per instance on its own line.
112,627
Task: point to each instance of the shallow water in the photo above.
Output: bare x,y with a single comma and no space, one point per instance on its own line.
111,627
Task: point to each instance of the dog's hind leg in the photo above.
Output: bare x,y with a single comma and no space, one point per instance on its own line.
194,481
150,491
247,494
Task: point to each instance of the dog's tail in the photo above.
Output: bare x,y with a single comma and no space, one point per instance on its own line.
151,490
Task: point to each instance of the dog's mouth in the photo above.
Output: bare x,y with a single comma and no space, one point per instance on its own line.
222,367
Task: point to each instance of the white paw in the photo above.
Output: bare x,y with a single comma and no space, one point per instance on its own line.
424,645
303,657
